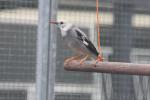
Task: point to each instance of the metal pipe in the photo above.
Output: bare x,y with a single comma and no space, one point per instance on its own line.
46,51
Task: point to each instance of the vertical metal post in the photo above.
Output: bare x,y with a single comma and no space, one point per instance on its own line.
46,51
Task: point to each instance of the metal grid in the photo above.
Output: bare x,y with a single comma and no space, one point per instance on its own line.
18,28
124,38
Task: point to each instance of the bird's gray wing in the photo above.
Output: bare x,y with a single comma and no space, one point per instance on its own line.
84,39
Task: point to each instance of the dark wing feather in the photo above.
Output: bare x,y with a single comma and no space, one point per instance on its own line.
87,42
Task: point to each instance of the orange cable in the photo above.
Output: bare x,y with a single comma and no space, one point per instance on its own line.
98,26
100,58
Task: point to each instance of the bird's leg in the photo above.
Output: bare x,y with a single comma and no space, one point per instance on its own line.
83,59
99,59
71,58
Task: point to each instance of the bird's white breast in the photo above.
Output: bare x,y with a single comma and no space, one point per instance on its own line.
65,29
63,33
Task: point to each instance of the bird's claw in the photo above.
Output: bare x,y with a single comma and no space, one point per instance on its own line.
71,58
99,59
82,60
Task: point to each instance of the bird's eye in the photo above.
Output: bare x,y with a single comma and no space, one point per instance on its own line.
61,23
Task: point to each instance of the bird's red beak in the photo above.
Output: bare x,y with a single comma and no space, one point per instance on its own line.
53,22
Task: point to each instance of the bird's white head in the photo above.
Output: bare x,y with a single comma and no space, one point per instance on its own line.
61,24
64,27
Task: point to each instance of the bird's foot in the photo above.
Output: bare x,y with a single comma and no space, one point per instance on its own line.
71,58
99,59
83,59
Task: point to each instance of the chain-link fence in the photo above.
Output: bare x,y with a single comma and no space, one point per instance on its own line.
18,28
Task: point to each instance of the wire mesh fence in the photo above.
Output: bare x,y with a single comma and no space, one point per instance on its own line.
124,27
124,32
18,27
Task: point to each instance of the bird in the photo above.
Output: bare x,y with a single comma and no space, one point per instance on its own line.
78,41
